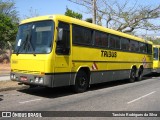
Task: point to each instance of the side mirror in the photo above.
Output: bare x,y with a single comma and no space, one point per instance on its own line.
60,34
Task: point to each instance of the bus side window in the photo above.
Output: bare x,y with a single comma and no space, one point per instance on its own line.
134,45
125,44
149,49
63,45
143,47
101,39
114,41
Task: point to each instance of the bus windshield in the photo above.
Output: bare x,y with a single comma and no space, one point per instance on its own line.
155,54
35,37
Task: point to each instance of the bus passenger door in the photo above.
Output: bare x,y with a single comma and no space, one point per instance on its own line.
62,57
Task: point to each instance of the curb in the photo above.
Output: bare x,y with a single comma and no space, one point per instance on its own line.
5,78
2,75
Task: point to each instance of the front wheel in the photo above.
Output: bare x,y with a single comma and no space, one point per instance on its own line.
81,82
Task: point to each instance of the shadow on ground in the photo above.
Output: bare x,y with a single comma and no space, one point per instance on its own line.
66,91
1,96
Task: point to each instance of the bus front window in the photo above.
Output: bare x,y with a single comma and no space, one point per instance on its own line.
155,54
35,37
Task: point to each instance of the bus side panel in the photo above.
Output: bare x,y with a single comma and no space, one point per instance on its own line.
105,68
156,66
106,76
147,71
158,70
61,79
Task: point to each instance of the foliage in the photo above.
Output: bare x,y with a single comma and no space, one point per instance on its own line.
8,28
8,21
73,14
156,42
89,20
8,8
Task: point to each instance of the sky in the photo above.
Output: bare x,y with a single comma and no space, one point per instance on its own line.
47,7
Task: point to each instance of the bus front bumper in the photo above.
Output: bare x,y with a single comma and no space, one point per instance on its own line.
29,79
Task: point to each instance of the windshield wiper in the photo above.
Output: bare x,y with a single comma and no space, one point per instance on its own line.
22,45
29,41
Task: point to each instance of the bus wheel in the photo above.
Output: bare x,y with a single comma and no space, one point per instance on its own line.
139,78
81,83
32,86
132,75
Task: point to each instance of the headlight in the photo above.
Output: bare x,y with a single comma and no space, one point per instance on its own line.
36,80
41,80
13,76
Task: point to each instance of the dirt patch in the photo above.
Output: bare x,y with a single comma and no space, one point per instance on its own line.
5,69
10,85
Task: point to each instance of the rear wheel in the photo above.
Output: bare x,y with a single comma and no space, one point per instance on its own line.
81,82
139,78
32,86
132,75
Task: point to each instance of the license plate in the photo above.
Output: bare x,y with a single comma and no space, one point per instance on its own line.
23,78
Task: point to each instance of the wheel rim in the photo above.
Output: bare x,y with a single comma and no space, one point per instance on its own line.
82,82
140,75
133,76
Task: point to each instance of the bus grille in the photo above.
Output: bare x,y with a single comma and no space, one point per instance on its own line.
26,72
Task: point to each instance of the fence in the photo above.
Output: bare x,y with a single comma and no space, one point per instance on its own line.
5,53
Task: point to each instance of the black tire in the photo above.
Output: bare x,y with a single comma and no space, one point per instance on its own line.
81,82
140,72
132,75
32,86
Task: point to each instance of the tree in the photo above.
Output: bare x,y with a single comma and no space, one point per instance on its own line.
8,21
8,29
122,16
156,41
89,20
8,8
73,14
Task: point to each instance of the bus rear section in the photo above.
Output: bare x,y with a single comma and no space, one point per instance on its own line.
156,58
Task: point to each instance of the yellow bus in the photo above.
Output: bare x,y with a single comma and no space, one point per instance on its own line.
156,58
57,50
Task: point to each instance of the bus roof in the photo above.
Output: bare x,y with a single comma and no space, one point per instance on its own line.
85,24
156,46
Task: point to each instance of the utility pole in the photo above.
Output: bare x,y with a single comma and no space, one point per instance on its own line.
94,11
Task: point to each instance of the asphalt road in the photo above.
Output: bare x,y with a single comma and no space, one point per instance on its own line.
113,96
